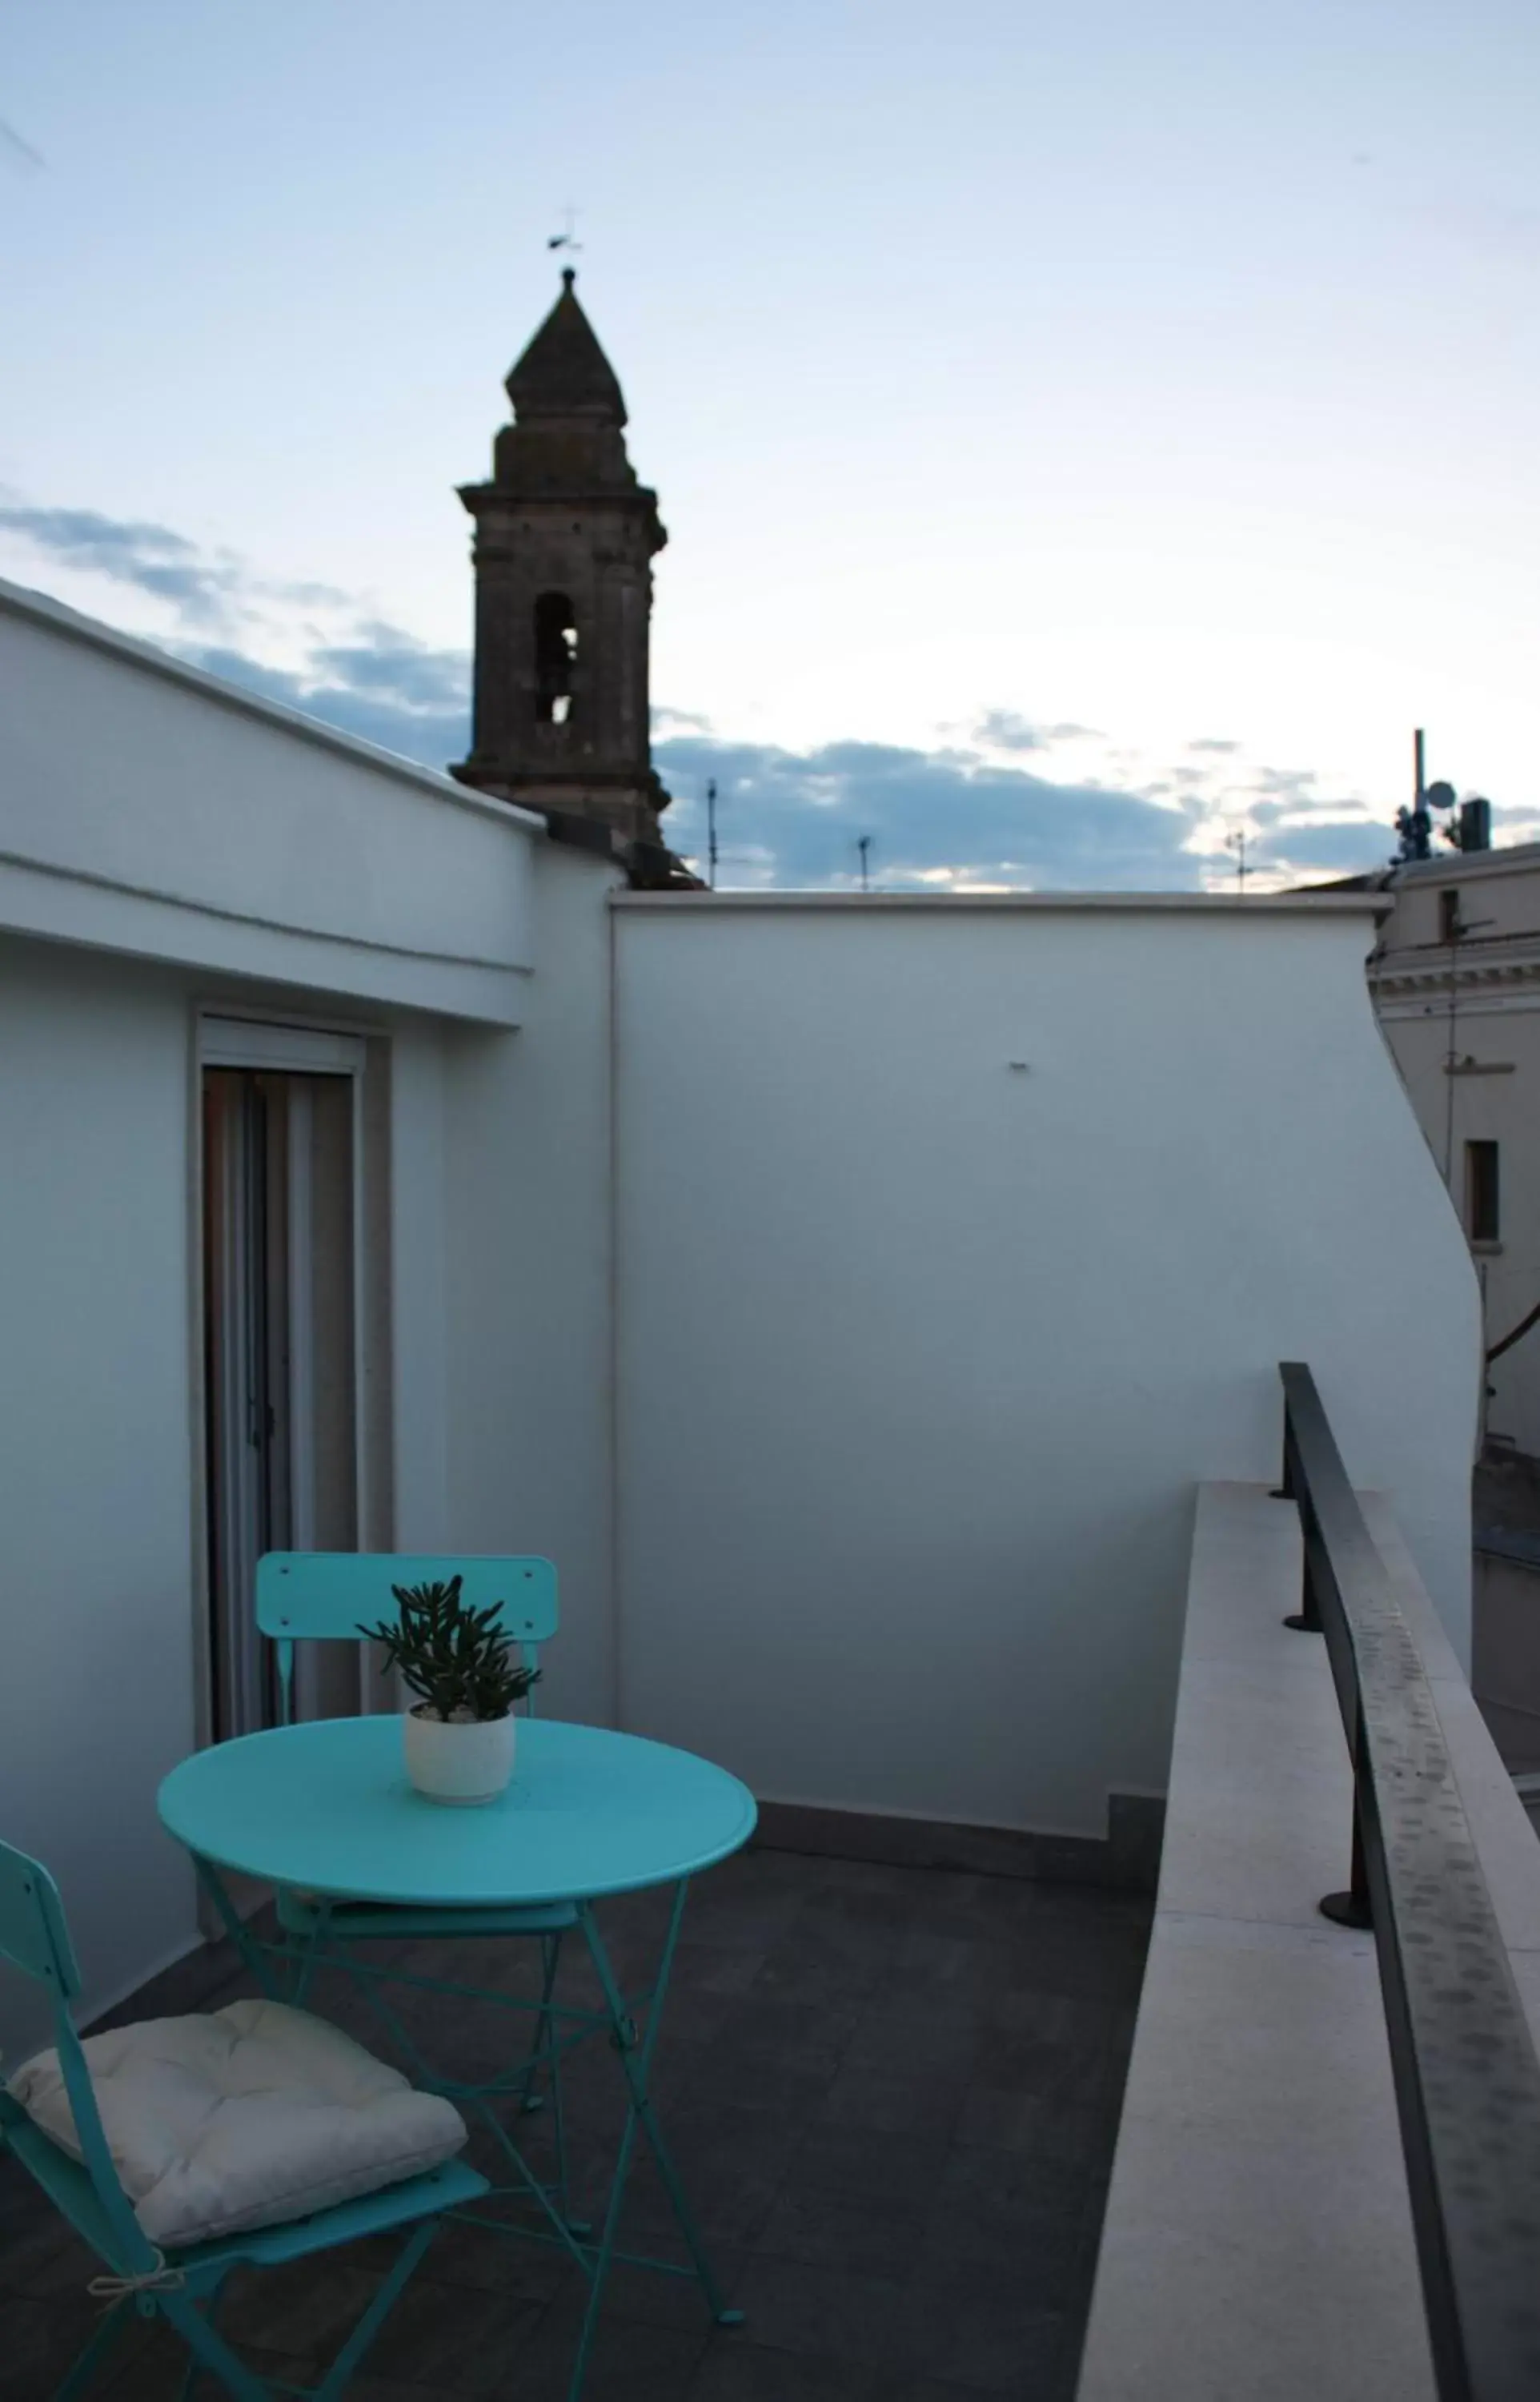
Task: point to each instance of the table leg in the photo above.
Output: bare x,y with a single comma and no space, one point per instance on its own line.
252,1952
636,2059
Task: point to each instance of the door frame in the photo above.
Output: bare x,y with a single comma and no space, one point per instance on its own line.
224,1038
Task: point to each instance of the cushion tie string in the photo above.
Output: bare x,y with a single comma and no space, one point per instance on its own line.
158,2280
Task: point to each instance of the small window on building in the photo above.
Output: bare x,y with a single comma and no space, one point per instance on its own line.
1481,1208
556,657
1450,929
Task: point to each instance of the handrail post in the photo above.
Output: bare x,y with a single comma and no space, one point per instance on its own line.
1351,1908
1306,1620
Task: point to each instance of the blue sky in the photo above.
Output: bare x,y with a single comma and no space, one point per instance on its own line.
1083,432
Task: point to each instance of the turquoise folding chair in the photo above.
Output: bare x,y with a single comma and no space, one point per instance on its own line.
181,2286
327,1597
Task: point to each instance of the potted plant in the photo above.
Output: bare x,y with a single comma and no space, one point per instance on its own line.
460,1732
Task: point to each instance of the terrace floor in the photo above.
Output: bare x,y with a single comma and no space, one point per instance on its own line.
892,2093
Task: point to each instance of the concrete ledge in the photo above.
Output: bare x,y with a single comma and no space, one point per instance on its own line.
1127,1859
1258,2239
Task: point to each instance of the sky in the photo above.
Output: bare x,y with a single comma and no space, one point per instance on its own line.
1086,434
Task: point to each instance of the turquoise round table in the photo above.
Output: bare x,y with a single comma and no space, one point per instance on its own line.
326,1808
324,1812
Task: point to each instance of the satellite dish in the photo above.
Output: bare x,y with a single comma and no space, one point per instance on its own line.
1439,797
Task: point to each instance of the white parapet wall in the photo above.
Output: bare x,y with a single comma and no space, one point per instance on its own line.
956,1241
158,812
1257,2238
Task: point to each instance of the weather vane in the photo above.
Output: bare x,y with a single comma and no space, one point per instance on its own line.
567,238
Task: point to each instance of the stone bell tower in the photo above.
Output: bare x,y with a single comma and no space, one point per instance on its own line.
564,537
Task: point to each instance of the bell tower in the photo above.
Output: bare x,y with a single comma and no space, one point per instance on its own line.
564,538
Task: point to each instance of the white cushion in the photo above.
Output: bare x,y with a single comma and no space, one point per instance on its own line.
254,2115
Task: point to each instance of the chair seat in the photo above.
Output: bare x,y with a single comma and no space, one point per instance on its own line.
300,1913
69,2187
246,2118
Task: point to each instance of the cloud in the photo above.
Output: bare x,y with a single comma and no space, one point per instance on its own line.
1003,729
311,646
150,556
935,818
360,698
967,813
392,666
1344,849
201,587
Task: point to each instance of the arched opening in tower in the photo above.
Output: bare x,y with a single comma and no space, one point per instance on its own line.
556,657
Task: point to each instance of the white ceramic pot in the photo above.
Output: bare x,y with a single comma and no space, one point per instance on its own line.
458,1760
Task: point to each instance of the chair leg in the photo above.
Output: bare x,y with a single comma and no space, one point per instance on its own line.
211,2351
91,2358
341,2373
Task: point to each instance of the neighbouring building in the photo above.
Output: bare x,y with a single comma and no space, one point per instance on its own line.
1455,977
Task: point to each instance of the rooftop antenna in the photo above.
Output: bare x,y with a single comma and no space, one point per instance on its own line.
1415,825
567,238
711,833
863,845
1237,843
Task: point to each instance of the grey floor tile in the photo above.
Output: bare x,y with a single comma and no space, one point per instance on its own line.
905,2038
926,2107
369,2387
936,2389
41,2340
876,2236
705,1967
457,2339
791,2306
157,2372
40,2256
1005,2221
630,2362
833,2157
309,2307
1043,2126
462,2253
735,2370
994,2340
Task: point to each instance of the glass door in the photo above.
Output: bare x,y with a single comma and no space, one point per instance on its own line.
280,1379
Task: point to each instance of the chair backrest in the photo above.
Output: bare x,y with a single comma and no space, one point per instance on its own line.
328,1595
34,1939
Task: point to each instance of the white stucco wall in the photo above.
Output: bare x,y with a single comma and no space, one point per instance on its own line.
920,1355
151,810
96,1693
527,1279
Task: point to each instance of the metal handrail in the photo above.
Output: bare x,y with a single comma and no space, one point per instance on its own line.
1466,2079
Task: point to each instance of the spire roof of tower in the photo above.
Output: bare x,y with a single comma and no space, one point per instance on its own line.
562,371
